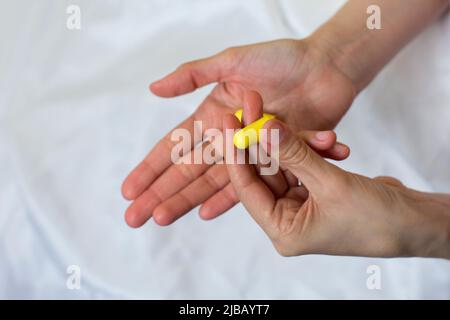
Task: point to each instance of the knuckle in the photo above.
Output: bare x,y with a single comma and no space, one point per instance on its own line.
211,180
296,152
187,66
231,51
186,172
229,56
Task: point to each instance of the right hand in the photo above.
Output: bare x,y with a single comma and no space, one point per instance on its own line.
337,212
300,85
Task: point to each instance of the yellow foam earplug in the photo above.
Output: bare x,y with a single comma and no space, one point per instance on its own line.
249,135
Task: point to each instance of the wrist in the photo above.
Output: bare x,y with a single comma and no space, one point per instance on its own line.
359,52
427,234
342,53
350,45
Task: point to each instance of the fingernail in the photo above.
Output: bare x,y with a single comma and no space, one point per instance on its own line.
322,135
340,149
153,85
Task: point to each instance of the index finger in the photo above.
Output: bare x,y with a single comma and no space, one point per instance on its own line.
250,189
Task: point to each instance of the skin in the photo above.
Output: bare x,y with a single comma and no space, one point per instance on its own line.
338,212
309,84
296,89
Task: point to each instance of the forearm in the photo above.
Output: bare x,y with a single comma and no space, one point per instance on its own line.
361,53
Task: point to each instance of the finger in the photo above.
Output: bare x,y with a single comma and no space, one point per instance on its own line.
253,110
174,179
324,143
298,192
338,152
318,140
296,156
291,180
208,184
160,157
158,160
219,203
253,107
226,198
250,189
205,186
193,75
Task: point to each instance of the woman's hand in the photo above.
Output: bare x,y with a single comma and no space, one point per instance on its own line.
301,86
338,212
309,84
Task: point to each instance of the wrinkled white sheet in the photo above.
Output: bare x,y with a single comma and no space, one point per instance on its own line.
76,116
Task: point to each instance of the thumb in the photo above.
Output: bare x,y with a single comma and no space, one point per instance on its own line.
193,75
293,154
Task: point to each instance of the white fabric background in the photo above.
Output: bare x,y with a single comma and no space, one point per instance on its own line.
76,116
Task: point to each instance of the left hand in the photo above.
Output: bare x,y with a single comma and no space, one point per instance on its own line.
338,212
301,85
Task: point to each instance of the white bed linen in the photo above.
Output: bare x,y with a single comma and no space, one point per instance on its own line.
76,117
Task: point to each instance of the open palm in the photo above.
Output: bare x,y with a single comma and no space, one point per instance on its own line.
299,84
